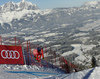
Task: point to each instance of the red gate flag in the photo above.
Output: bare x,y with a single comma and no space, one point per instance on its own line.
11,55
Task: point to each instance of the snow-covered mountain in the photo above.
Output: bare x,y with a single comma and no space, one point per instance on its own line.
62,28
11,6
14,12
91,3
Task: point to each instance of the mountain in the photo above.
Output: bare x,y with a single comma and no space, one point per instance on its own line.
14,11
91,3
11,6
64,29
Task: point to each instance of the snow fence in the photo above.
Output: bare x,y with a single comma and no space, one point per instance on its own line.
51,58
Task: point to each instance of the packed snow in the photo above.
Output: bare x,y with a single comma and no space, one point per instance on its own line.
89,26
37,72
79,49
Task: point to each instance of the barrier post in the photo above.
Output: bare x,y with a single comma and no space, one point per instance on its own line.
51,57
27,54
27,46
24,55
59,61
30,53
46,56
55,57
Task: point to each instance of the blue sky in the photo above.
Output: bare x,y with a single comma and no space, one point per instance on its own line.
48,4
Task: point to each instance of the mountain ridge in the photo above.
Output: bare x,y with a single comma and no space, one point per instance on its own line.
17,14
11,6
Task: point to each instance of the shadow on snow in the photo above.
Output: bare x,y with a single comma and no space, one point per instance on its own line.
88,74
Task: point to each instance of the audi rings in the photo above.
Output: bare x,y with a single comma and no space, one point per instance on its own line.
10,54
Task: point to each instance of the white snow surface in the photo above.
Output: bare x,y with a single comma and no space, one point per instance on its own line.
77,50
9,16
37,72
90,26
91,3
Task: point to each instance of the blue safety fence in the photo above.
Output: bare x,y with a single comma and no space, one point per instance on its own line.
33,73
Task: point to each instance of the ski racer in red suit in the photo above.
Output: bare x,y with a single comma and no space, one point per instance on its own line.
38,52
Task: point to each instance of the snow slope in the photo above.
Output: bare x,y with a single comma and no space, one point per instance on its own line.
36,72
9,16
79,49
26,72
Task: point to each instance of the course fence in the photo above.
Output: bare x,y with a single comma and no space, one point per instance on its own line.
51,58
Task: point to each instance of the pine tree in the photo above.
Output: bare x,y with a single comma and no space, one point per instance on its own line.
94,64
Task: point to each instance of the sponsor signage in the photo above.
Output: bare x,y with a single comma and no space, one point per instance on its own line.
11,55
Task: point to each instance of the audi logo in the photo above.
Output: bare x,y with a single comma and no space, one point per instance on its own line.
10,54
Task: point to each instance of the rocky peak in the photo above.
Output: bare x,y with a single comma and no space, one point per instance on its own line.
11,6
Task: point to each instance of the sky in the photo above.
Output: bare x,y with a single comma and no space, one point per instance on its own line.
49,4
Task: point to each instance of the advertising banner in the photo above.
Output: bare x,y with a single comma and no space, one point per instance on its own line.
11,55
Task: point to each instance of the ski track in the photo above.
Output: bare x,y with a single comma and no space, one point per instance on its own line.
26,72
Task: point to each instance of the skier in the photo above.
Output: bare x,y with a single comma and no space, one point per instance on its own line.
38,52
